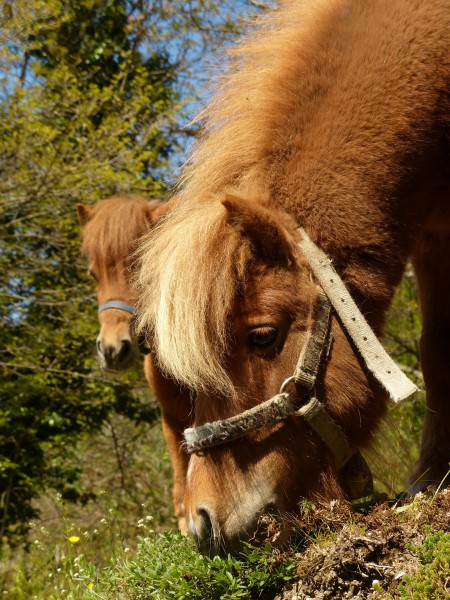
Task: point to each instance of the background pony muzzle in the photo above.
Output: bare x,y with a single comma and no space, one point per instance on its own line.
116,347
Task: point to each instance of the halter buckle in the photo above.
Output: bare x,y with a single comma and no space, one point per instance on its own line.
285,383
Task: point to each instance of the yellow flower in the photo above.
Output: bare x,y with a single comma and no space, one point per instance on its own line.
90,585
74,539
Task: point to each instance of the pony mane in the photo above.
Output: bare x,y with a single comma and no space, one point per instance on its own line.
192,263
289,127
111,235
185,299
283,95
251,103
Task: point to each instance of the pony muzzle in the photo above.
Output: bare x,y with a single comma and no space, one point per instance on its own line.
116,355
214,538
116,346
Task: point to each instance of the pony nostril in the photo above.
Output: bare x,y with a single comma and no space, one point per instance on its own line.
204,535
271,509
126,348
115,356
99,346
206,527
108,352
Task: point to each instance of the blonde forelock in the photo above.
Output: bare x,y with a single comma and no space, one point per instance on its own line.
188,282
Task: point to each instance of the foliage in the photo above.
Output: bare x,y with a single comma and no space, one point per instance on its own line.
359,556
64,137
90,97
433,577
62,563
403,326
165,565
125,469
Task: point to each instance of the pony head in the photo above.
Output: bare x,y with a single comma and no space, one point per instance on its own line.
228,300
111,230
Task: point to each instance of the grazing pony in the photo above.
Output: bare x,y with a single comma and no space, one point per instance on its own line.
326,146
111,231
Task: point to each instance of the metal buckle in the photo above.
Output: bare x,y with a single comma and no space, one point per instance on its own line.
285,383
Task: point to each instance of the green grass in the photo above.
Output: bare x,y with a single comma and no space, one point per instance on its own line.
75,564
169,566
63,561
164,566
433,577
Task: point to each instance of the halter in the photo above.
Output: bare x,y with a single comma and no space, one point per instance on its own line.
332,294
119,305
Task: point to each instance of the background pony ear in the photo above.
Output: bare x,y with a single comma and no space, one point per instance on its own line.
84,214
155,210
265,228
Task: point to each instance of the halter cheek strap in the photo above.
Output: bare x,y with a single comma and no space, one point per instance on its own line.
355,473
377,360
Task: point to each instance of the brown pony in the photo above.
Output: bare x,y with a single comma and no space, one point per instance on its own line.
111,230
334,117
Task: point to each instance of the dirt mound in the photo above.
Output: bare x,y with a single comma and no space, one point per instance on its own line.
364,556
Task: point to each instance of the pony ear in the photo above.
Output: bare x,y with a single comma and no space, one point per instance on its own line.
263,227
84,214
154,211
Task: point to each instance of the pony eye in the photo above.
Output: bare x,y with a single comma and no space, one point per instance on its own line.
261,338
93,274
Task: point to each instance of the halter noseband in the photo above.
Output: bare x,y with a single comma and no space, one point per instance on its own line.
282,405
332,294
118,305
128,308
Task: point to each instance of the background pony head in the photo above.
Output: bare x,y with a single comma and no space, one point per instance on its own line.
111,231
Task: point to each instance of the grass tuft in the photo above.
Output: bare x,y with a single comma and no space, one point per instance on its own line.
432,579
169,566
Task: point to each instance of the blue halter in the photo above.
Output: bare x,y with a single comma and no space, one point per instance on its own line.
119,305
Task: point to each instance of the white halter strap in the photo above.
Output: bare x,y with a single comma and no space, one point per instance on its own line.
378,361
